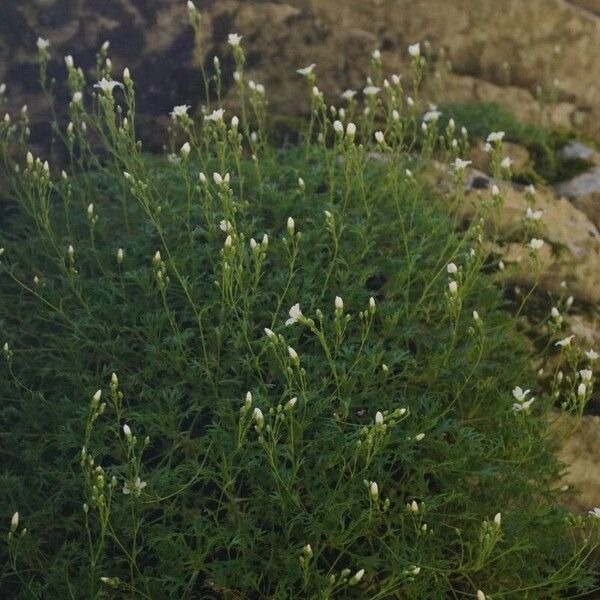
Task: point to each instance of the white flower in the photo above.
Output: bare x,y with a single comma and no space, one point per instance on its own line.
348,94
270,333
295,315
410,101
506,162
415,50
228,241
498,519
107,85
376,55
565,342
69,62
225,226
581,390
480,595
127,431
42,44
290,403
431,116
293,354
215,115
586,374
591,354
120,255
522,406
77,97
379,137
371,90
306,71
233,39
180,110
351,130
339,304
379,418
530,189
451,268
371,303
534,215
97,396
14,521
136,487
555,313
291,225
535,244
126,74
90,210
495,136
595,512
338,127
460,164
487,148
186,149
453,288
520,394
419,437
495,191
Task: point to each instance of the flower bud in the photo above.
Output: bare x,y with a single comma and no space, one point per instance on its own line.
374,490
14,522
356,577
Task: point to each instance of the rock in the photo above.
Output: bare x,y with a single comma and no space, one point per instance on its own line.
591,5
586,329
518,154
572,249
495,55
584,192
579,151
581,453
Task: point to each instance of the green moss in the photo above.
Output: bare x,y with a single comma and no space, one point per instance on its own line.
480,118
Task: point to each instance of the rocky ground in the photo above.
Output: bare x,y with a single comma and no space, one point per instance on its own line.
537,58
514,54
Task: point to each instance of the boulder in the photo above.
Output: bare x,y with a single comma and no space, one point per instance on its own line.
584,192
577,151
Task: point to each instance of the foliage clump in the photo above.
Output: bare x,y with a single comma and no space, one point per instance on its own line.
247,373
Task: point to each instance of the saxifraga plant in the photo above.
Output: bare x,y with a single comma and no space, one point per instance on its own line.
286,378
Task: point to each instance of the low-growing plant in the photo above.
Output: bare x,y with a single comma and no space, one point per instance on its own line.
241,372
